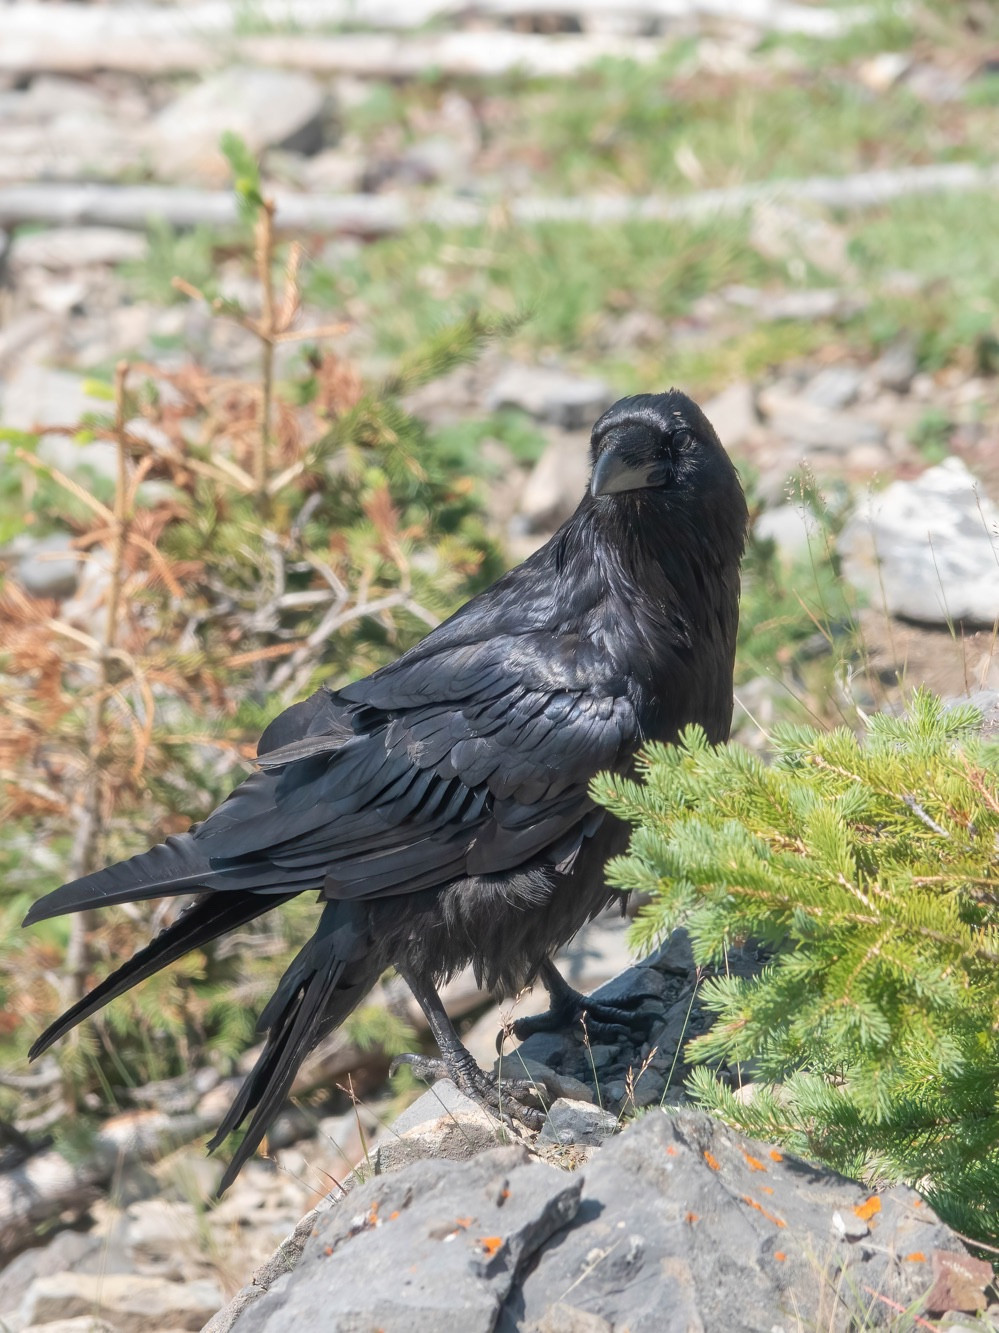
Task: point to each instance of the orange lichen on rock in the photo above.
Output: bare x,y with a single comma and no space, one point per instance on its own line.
752,1162
711,1160
916,1257
771,1217
776,1156
491,1245
691,1218
780,1256
866,1211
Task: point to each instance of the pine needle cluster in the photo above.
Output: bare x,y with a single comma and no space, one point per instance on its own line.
867,871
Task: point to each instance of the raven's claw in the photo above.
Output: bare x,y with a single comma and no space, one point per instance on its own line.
599,1020
505,1097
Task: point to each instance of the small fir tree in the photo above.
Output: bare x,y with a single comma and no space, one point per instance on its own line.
868,869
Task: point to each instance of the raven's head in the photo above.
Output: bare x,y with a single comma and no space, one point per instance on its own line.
661,448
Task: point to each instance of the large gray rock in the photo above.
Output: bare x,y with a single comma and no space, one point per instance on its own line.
267,108
437,1243
684,1224
677,1223
929,548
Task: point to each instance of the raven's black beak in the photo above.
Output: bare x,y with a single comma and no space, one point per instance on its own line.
613,474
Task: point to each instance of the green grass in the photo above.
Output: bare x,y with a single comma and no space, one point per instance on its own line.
948,244
574,280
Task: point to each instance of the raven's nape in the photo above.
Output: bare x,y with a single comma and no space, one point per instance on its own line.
200,923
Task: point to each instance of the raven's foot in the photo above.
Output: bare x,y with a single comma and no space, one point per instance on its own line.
506,1097
598,1020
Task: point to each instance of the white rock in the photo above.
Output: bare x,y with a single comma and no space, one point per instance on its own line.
793,528
929,547
267,108
35,397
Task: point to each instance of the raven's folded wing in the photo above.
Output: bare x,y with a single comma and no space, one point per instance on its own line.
474,760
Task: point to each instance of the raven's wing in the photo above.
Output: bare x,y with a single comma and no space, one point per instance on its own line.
473,760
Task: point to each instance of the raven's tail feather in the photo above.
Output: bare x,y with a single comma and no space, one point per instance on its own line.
326,981
174,867
205,920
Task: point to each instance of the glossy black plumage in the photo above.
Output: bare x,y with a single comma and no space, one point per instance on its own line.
440,806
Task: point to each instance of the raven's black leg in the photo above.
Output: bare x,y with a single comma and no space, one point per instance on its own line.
604,1020
458,1064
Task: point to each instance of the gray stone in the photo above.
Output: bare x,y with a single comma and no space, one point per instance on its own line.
267,108
550,1085
555,484
576,1122
806,304
817,431
83,1323
50,567
443,1123
334,171
673,1224
74,247
928,547
896,366
834,387
439,1241
733,413
675,1231
132,1304
67,1250
570,401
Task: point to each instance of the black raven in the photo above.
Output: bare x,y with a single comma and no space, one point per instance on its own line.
440,806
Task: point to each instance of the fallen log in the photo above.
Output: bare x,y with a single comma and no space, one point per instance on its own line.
134,206
146,38
48,1183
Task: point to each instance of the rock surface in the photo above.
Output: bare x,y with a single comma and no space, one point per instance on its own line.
571,401
132,1304
678,1223
929,548
265,107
